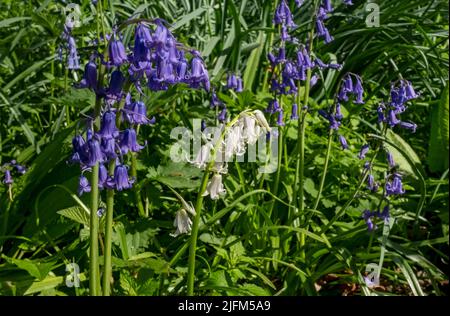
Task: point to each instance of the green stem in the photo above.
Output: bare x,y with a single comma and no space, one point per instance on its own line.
198,208
194,234
137,195
325,169
94,277
277,175
107,273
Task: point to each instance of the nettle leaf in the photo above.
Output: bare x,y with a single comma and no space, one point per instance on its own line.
177,175
253,289
76,214
218,279
310,188
128,284
37,269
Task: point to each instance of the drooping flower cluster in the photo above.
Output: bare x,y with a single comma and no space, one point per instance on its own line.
234,82
156,60
288,73
400,94
183,222
109,144
334,113
354,88
73,60
368,217
244,131
10,167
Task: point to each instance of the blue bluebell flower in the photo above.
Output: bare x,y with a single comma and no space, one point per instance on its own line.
371,184
407,125
390,159
89,76
108,127
121,179
364,150
83,185
343,142
8,178
294,113
128,141
102,176
117,54
394,186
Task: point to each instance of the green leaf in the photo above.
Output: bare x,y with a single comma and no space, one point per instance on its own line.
438,150
76,214
253,61
9,21
37,269
403,163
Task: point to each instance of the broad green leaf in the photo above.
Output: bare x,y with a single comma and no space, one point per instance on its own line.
438,149
76,214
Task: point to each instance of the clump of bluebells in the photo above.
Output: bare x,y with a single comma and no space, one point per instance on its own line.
401,92
156,60
8,169
289,72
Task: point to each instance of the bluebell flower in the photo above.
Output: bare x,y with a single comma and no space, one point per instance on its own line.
222,115
371,184
343,142
385,214
407,125
410,93
102,176
100,212
334,124
161,34
390,159
294,114
108,127
108,145
142,42
117,54
136,113
280,121
94,152
199,74
215,101
358,91
367,216
114,91
394,186
273,106
121,179
392,119
338,115
299,3
283,15
73,60
83,185
8,178
128,141
89,76
327,6
380,112
364,150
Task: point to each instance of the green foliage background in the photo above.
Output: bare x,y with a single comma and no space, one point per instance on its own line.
243,249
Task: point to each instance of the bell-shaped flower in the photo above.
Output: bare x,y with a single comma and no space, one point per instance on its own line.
215,187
